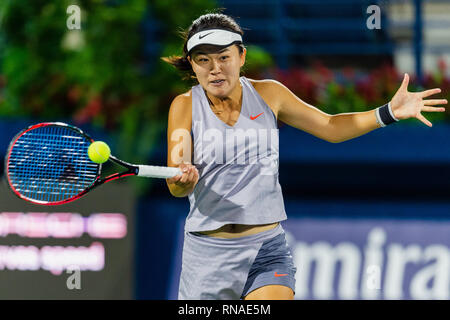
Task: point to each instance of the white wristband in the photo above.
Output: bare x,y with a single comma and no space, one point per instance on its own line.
390,111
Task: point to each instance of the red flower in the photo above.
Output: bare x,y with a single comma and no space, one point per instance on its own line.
74,94
348,73
92,109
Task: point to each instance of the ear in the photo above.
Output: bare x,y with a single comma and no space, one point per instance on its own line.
190,61
243,55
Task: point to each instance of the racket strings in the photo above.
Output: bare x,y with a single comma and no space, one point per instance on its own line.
51,164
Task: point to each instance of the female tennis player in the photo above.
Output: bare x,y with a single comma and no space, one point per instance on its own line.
234,245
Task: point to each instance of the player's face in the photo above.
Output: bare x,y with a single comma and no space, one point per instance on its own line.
210,65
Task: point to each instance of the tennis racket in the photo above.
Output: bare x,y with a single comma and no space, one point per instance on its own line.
48,164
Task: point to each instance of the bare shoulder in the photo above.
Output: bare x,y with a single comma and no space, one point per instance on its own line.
182,102
266,84
269,90
180,112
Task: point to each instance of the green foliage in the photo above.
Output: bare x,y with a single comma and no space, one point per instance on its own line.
99,74
257,60
347,90
102,75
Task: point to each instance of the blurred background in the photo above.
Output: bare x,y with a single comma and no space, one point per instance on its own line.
367,218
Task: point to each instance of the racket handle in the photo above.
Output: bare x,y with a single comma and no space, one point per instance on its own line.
157,171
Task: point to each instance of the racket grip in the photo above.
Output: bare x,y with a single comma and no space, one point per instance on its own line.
157,171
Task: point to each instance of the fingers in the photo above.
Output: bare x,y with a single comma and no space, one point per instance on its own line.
192,174
424,120
184,167
432,109
433,102
174,179
430,92
189,175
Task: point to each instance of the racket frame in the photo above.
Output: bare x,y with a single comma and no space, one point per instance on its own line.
132,170
98,181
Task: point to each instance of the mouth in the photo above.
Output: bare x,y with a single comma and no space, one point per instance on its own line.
217,82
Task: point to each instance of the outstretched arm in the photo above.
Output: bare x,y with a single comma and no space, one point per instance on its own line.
344,126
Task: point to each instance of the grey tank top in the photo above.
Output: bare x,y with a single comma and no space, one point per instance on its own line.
238,165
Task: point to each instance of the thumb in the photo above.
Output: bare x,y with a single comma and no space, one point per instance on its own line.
404,85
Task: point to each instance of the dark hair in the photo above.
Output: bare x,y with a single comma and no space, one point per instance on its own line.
206,21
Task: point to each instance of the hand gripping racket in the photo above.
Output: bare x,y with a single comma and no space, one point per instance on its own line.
48,164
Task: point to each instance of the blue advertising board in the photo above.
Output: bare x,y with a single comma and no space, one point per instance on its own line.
348,258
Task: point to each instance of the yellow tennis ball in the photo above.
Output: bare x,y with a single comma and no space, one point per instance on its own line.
99,152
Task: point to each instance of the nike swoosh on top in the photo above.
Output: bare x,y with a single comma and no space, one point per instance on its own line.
253,118
201,36
280,274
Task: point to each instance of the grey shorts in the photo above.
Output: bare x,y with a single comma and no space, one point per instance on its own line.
226,269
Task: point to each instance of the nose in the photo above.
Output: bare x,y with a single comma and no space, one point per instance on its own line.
215,68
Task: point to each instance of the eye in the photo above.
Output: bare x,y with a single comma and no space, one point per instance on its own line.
224,57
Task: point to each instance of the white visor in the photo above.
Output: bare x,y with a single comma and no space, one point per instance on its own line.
218,37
